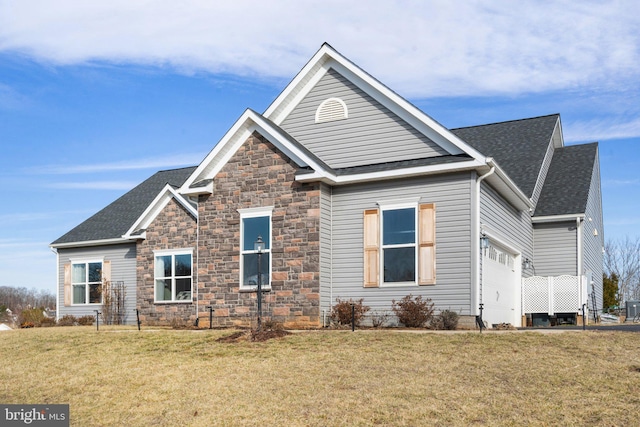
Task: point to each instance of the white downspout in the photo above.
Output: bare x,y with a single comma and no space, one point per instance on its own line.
579,260
55,251
579,244
475,244
197,265
330,251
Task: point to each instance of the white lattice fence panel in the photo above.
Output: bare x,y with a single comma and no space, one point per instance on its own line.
535,295
566,294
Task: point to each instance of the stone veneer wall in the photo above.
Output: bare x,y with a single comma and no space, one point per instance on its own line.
259,175
174,228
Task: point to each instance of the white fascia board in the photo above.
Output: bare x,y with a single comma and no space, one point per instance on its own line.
505,186
405,110
557,218
103,242
557,137
154,209
333,179
298,82
206,189
210,161
248,123
327,58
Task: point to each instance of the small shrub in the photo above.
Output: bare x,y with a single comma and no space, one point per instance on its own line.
32,316
379,318
86,320
413,313
68,320
47,322
446,320
272,325
341,312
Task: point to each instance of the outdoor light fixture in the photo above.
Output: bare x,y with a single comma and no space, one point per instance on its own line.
526,263
258,246
484,242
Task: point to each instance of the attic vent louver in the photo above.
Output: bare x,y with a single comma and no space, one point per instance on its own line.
331,109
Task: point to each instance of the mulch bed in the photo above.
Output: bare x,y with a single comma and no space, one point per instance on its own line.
256,336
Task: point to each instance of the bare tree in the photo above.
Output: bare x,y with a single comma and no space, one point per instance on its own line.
622,258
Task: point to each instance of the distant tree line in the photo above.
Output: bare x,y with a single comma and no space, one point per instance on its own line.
622,268
18,299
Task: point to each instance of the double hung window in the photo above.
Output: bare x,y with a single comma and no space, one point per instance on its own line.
173,276
255,223
86,282
399,245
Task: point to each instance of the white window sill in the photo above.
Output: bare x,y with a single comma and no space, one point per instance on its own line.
187,301
398,284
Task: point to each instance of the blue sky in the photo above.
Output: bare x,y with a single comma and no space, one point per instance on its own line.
96,97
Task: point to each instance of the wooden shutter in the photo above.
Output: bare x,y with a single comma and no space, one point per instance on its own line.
67,285
106,272
371,248
427,244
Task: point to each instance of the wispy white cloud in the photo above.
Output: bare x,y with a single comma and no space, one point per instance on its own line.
38,216
10,99
603,128
442,48
620,182
93,185
15,243
174,160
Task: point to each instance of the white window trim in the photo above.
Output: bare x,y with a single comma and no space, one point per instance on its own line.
173,253
85,261
255,213
388,206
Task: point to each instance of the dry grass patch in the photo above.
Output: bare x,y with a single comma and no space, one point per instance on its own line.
124,377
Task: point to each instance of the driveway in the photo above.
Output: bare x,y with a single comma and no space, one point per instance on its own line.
624,327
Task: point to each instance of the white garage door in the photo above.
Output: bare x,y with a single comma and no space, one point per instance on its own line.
501,289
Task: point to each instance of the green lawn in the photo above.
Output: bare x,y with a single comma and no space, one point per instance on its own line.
119,376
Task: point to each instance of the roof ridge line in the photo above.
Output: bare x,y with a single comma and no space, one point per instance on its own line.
506,121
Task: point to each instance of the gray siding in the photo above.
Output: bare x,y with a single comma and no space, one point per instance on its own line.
555,249
123,268
325,246
371,134
509,224
452,195
592,244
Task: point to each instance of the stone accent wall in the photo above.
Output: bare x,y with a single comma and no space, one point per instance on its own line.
174,228
258,175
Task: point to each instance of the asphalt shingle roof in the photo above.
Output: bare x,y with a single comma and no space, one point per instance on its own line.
518,146
566,188
115,219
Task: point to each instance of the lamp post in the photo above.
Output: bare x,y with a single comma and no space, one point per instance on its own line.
258,246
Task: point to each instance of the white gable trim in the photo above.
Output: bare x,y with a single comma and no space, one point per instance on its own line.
557,218
244,127
327,58
507,188
153,210
86,243
333,179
